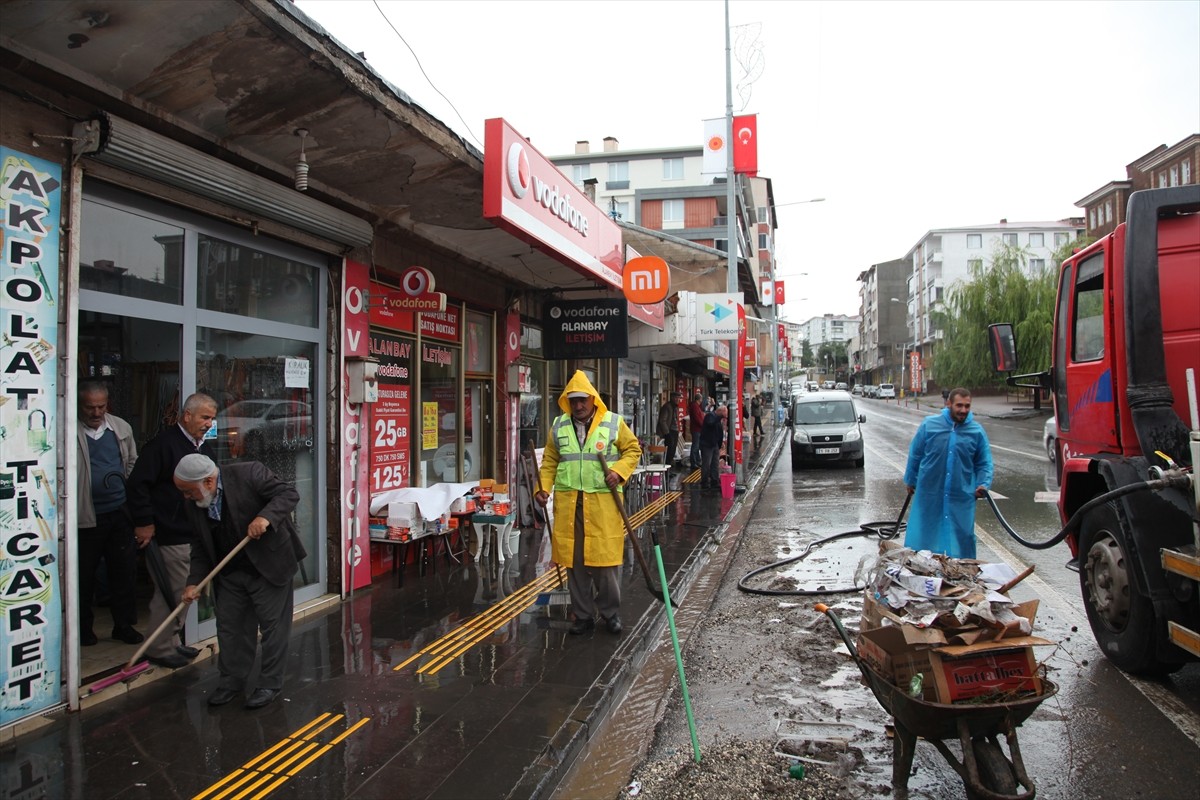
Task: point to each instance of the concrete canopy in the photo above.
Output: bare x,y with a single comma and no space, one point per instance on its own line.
237,78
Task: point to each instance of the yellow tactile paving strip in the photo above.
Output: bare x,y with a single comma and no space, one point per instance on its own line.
272,768
444,650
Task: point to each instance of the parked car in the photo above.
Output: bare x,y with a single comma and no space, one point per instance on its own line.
887,391
249,428
841,386
826,385
857,390
825,429
1050,440
871,390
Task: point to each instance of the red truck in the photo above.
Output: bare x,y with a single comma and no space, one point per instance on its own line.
1126,350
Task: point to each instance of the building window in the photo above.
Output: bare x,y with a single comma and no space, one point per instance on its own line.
1061,239
764,241
1092,218
1009,239
721,244
1107,211
974,241
580,173
1037,240
1175,175
620,209
1162,179
673,170
1186,173
1037,266
672,211
975,263
762,215
618,170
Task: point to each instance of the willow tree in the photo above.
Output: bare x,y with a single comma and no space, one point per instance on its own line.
1002,290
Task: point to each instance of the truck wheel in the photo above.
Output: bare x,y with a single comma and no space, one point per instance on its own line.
1122,620
995,773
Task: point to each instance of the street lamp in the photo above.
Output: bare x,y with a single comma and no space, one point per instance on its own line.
904,358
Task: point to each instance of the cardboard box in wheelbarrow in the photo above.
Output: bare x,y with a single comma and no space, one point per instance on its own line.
956,666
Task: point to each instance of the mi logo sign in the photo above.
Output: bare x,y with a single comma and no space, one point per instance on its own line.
646,280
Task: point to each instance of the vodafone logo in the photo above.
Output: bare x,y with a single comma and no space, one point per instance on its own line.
517,168
416,281
555,312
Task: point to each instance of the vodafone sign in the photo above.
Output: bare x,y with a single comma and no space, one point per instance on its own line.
526,195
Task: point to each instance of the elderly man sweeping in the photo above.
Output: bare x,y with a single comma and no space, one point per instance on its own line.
254,590
588,532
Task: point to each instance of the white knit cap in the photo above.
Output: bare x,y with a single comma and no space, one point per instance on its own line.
194,467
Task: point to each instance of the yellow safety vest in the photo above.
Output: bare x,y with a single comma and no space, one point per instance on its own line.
578,468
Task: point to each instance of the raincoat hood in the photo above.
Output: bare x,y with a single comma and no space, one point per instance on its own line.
579,383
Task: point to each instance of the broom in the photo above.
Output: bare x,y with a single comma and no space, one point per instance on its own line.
134,668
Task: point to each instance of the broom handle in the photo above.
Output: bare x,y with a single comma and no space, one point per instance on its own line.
141,651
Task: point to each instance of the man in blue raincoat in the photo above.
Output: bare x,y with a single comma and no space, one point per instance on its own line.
949,465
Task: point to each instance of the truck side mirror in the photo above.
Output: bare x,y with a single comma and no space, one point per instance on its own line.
1004,347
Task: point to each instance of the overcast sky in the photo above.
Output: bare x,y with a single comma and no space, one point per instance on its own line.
905,116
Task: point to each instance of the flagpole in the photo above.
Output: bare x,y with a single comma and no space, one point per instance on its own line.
731,277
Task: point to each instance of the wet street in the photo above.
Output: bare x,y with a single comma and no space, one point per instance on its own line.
1105,734
447,680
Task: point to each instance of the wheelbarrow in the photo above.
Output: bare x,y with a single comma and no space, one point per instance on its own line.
986,772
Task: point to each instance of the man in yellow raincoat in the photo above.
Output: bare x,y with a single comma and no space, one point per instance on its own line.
589,534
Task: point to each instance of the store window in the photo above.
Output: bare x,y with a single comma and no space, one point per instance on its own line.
264,389
129,254
173,302
479,343
438,415
250,282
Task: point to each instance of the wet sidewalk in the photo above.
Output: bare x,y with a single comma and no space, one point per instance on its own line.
444,680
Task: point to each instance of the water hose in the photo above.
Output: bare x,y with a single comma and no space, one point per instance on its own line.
884,530
1172,481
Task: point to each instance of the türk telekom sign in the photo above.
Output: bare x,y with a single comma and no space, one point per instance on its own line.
526,195
585,329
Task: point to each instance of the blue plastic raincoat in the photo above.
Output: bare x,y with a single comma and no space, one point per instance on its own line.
947,462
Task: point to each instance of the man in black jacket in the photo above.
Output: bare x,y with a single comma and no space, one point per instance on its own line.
158,515
253,590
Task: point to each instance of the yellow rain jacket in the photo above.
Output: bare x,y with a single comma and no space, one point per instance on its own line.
574,472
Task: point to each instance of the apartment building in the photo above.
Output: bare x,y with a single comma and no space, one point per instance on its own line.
1177,165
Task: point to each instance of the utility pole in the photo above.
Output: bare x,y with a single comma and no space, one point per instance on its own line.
731,276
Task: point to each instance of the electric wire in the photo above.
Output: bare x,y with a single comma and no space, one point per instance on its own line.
427,78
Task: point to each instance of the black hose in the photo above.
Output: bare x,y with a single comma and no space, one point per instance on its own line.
1077,517
884,530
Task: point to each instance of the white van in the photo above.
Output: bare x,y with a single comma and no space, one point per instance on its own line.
887,391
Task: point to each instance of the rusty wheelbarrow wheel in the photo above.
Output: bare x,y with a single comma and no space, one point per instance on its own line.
995,773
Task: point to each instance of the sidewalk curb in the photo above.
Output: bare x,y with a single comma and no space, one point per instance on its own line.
587,719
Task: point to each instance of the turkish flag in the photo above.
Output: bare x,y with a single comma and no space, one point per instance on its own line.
779,293
745,145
